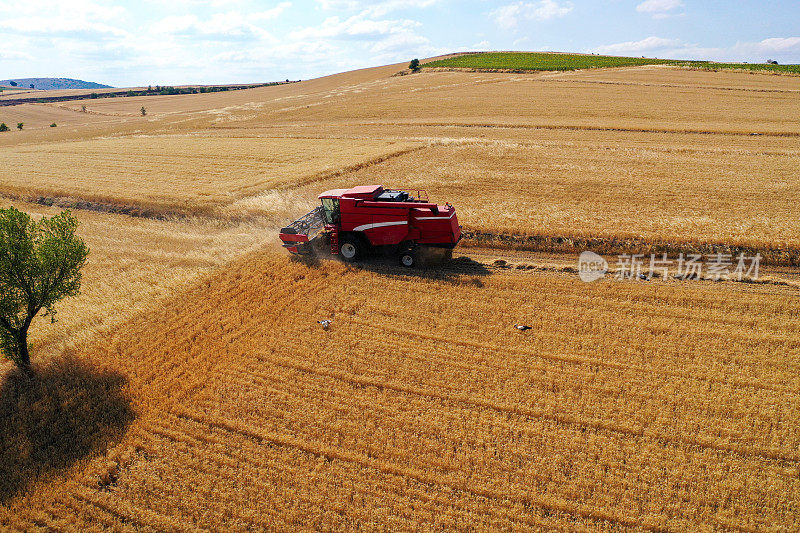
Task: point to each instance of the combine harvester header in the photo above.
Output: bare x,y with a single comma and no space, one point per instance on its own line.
369,217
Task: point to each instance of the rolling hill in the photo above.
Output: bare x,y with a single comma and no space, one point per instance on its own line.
47,84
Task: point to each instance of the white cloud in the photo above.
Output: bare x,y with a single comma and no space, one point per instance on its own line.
355,27
658,6
77,20
400,42
509,16
273,53
367,34
75,9
780,44
340,5
649,44
60,27
233,25
660,9
522,40
11,55
777,48
374,9
381,9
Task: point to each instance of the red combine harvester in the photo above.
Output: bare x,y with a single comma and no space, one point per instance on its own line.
358,220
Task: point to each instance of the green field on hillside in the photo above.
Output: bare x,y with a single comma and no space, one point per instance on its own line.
552,61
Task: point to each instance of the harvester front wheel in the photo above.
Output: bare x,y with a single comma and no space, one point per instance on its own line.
350,249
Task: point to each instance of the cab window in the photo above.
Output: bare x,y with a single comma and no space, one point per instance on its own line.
330,207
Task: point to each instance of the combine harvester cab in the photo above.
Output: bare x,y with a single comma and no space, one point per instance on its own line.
365,218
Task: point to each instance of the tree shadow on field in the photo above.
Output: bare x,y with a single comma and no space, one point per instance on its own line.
458,270
49,421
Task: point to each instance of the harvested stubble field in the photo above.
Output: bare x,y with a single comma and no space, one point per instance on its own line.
201,393
667,406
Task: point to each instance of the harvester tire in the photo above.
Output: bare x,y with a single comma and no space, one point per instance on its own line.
408,259
350,249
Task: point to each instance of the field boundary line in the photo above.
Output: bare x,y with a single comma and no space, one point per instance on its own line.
568,269
666,85
70,202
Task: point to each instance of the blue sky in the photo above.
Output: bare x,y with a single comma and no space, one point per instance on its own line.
126,43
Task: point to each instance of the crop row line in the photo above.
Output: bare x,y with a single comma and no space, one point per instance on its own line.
600,425
577,360
328,453
246,377
578,127
134,514
231,460
322,395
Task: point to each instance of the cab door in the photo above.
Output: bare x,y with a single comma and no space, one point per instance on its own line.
330,211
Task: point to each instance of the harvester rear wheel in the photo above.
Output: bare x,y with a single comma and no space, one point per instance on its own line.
408,259
349,249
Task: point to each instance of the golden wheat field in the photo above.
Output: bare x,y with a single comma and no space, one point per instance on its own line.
630,405
649,153
181,173
189,386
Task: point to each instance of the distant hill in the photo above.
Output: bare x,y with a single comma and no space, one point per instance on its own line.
46,84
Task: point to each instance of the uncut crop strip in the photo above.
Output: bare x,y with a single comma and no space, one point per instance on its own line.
177,174
598,196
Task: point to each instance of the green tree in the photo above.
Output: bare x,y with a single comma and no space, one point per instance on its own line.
13,83
40,263
19,125
414,65
3,126
143,111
